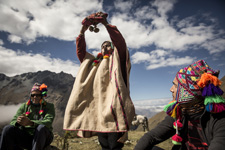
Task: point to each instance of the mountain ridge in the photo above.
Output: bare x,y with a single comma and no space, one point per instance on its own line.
16,90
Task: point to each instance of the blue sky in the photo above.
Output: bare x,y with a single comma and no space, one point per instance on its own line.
162,36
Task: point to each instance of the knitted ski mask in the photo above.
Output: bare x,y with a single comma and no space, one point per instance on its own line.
196,82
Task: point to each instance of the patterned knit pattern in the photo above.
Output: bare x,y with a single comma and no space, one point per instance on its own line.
187,81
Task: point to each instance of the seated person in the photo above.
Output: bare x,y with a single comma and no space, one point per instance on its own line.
31,127
196,115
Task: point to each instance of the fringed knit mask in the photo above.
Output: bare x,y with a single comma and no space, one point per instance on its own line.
196,82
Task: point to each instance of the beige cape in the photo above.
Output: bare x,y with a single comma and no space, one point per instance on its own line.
100,100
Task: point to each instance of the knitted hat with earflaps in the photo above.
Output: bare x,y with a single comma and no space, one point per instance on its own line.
196,82
40,87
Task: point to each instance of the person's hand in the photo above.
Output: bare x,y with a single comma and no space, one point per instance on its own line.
24,121
83,29
103,16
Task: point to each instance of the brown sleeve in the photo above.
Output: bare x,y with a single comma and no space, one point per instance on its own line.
120,44
81,47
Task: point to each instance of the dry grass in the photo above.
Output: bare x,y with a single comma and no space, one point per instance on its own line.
92,143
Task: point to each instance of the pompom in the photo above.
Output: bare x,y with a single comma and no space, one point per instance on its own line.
179,124
44,94
43,86
27,113
99,55
106,56
207,78
96,61
176,139
41,112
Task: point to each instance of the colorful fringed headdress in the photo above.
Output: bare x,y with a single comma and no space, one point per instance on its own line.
196,82
43,89
40,87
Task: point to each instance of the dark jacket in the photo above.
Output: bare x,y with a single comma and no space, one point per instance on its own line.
213,127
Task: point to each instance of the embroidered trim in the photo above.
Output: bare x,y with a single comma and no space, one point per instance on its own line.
121,103
114,116
111,67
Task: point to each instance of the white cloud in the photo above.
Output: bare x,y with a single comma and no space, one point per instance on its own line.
150,107
215,46
172,61
14,39
152,102
7,112
145,13
31,19
14,63
163,6
1,42
141,26
139,57
123,6
160,58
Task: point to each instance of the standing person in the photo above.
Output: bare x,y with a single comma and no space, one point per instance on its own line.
31,127
100,103
196,112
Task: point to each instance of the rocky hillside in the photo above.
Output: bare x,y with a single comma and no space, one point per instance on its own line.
15,90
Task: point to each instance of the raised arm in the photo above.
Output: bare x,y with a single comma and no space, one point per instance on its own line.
119,43
117,40
81,44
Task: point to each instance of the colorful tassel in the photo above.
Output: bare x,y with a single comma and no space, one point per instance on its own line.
176,139
28,102
170,106
211,89
215,107
214,99
207,78
178,112
209,107
174,112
